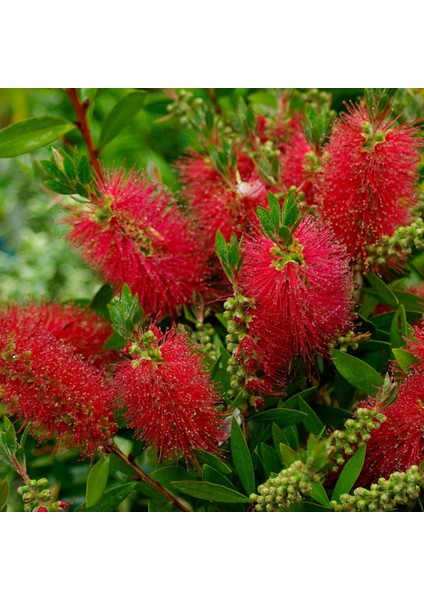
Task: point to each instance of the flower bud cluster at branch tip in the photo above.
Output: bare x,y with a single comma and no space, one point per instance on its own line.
238,319
356,433
37,497
398,489
287,488
350,340
203,336
403,240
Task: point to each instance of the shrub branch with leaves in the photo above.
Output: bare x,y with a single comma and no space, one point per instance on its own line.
257,342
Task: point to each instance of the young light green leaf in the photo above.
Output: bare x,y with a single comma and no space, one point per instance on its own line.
241,458
349,474
357,372
97,481
288,455
210,491
404,358
121,115
31,134
319,494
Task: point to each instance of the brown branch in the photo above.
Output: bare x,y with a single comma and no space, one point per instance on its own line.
82,124
147,479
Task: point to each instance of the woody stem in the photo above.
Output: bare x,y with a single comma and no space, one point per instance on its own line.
147,479
82,124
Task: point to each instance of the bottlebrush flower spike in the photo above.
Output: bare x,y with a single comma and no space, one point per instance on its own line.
54,390
218,203
368,177
399,442
167,396
416,344
301,286
79,327
135,234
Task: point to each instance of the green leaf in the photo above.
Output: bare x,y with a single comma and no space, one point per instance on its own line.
115,342
242,459
165,475
404,358
411,302
288,455
281,416
213,476
270,460
357,372
4,494
233,252
214,462
121,115
97,481
384,292
319,494
8,443
102,298
349,474
266,221
69,167
400,328
112,498
59,187
84,170
31,134
209,491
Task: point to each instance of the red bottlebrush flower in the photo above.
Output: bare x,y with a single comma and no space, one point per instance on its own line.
304,291
399,442
45,383
81,328
137,235
168,397
367,180
219,204
416,345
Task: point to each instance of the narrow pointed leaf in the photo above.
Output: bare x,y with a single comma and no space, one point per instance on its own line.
357,372
241,458
210,491
121,115
97,481
349,474
31,134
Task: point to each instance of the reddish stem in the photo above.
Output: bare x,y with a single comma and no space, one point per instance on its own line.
147,479
82,124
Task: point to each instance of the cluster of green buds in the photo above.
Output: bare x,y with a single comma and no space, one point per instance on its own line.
349,340
398,489
37,496
372,138
195,112
238,316
204,336
289,487
145,349
356,433
402,240
304,468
